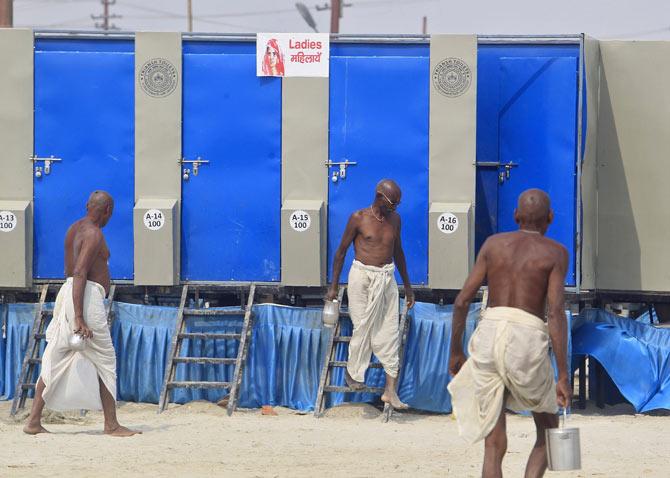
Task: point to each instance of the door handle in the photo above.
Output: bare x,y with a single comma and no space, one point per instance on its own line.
196,163
47,164
502,175
342,172
495,164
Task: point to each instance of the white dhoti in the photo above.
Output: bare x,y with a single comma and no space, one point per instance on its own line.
71,377
373,307
508,351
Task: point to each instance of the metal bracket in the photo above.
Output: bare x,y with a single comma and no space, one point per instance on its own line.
196,166
47,164
502,175
342,172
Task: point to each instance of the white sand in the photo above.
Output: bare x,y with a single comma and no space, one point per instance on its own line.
198,439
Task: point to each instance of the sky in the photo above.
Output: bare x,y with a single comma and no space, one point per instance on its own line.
604,19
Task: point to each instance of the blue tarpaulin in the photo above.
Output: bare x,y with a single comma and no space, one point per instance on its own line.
286,354
285,358
17,323
635,355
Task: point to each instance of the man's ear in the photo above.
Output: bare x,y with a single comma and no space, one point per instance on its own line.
516,216
550,218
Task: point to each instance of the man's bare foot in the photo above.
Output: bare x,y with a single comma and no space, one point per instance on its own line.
121,432
353,384
35,429
393,400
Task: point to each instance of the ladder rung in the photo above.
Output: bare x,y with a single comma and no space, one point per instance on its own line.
333,388
40,336
212,313
199,384
340,363
342,338
28,386
209,336
208,360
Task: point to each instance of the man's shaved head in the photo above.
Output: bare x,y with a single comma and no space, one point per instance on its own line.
387,196
99,207
99,200
533,208
389,188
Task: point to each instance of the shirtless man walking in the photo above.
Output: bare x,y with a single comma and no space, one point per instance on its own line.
509,364
372,289
86,379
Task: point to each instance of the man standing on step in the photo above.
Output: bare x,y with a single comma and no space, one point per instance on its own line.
509,364
372,289
86,379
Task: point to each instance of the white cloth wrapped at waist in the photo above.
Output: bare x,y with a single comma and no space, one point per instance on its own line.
373,306
71,377
508,351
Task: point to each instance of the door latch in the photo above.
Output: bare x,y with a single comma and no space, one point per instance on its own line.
503,174
196,163
340,173
47,164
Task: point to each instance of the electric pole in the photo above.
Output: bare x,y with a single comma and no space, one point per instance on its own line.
335,7
335,14
6,13
106,16
424,28
189,8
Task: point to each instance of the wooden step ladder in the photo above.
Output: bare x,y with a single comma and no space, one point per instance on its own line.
32,357
330,362
179,335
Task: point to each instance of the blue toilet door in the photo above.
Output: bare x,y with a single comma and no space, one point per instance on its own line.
538,137
231,210
379,99
84,116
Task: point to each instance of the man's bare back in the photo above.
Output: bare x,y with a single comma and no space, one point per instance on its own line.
526,271
519,265
79,232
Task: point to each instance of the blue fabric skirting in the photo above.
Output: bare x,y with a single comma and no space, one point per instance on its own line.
285,359
635,355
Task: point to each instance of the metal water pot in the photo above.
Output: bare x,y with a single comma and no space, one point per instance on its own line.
563,448
331,312
76,342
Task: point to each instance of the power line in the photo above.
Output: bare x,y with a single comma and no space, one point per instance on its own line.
167,14
200,18
66,23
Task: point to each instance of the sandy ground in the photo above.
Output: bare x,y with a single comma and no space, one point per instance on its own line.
198,439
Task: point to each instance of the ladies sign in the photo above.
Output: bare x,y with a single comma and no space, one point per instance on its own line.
292,54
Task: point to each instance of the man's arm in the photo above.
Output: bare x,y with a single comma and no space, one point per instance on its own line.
338,261
399,259
90,248
557,324
461,305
